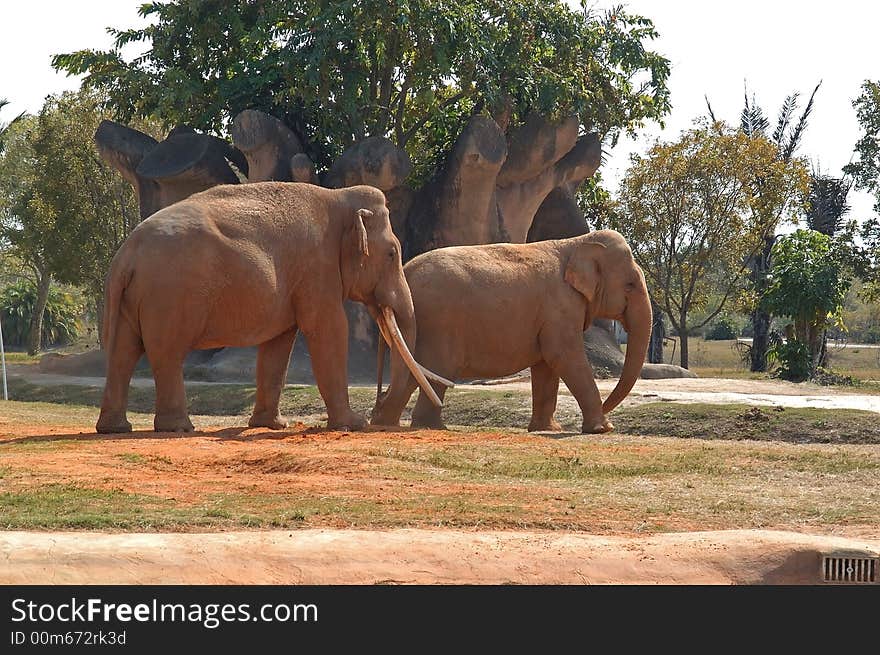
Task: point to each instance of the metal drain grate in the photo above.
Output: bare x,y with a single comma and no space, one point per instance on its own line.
859,570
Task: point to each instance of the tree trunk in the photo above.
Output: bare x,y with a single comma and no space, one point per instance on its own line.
823,351
815,334
683,337
35,338
658,334
99,311
760,318
760,340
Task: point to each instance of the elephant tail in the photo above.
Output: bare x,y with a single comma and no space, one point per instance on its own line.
380,366
114,286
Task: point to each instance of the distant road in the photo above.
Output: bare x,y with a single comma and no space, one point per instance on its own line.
833,344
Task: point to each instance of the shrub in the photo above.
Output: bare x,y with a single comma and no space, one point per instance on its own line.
60,320
792,360
723,329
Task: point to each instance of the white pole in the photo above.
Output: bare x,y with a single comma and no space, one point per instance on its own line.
3,360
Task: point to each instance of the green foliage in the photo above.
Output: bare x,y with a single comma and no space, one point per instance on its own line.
809,278
868,262
598,206
724,329
60,320
791,359
866,169
63,213
808,282
5,126
413,70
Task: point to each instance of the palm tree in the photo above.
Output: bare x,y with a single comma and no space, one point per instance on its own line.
827,202
787,135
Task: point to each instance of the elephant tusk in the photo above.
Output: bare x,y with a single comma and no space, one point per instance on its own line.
408,359
431,375
384,332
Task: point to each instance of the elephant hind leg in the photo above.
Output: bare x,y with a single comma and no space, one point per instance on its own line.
545,389
127,349
273,360
171,410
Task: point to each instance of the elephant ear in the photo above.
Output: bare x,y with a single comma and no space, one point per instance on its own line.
355,250
582,271
360,231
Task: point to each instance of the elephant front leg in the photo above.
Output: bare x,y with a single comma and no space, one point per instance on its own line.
425,413
568,360
273,360
327,336
545,390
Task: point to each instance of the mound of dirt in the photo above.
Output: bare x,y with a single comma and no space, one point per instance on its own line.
420,557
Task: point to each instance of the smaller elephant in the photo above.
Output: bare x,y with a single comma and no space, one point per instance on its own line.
253,264
493,310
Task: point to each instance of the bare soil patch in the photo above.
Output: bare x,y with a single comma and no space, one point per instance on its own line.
420,557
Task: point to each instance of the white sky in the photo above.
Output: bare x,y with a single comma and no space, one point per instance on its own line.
777,46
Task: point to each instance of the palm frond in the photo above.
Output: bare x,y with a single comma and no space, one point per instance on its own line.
794,139
789,105
752,120
827,203
709,107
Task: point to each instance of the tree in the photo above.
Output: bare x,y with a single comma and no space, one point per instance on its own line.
62,212
786,136
60,323
827,203
808,283
825,208
337,71
865,170
6,126
694,219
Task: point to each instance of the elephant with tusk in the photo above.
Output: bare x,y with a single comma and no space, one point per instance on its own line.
493,310
253,264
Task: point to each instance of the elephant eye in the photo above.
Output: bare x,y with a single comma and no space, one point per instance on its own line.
393,253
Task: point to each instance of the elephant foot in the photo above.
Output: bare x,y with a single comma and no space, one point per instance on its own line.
378,421
597,427
110,424
172,424
271,420
353,422
428,423
545,426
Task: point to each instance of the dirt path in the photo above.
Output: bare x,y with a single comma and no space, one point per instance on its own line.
684,390
419,557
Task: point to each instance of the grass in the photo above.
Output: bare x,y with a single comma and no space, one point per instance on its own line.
22,358
739,422
668,467
722,359
482,409
619,484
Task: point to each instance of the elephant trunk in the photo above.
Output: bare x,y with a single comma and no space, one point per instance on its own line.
637,320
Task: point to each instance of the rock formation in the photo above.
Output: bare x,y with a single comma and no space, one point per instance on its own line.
497,184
